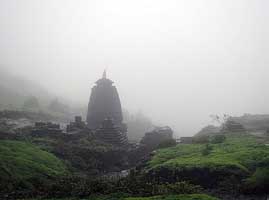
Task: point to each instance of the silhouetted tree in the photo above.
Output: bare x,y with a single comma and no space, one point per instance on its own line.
56,106
31,104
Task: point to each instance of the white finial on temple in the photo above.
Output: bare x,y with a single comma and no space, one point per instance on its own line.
104,74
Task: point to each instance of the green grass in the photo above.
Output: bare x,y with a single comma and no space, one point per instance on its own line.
21,163
238,151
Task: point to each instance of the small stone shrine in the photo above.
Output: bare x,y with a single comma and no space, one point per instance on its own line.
78,124
111,134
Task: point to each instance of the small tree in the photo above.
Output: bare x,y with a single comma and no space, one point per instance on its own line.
218,139
31,104
167,143
206,151
57,106
203,139
221,120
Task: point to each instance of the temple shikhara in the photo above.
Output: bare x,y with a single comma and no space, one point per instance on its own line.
105,113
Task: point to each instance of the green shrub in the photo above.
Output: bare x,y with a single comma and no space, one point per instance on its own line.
167,143
76,186
218,139
176,188
203,139
206,151
258,182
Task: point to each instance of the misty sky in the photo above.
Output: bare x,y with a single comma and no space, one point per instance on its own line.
178,61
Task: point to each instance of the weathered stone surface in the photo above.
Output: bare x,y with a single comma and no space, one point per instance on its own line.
77,125
46,128
104,103
105,113
109,133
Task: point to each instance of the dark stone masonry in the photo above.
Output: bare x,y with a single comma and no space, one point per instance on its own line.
105,113
109,133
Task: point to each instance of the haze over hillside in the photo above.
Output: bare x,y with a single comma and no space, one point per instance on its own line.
176,61
14,90
134,99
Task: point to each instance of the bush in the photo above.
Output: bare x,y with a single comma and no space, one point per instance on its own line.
76,186
206,151
258,182
217,139
203,139
31,104
176,188
167,143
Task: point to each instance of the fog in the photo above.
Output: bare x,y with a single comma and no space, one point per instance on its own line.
176,61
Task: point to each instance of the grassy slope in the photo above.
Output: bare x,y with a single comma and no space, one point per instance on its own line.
240,151
22,162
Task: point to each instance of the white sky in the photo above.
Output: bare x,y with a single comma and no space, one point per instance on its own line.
178,61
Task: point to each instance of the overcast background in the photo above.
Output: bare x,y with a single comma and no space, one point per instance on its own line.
177,61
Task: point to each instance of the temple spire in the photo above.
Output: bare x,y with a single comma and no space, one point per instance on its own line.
104,74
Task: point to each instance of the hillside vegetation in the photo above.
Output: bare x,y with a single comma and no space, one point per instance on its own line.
24,166
168,197
176,197
238,159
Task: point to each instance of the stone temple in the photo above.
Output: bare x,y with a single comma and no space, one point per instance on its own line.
105,113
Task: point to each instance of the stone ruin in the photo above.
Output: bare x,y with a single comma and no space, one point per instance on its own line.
46,128
77,125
